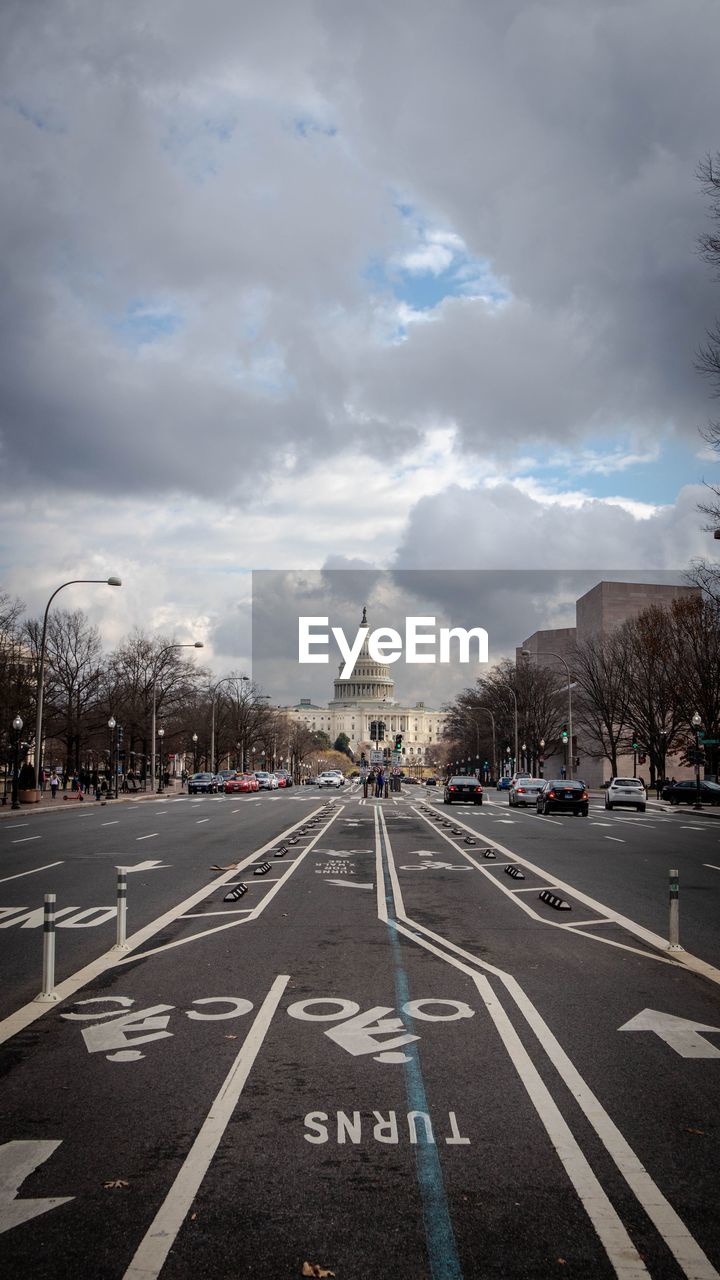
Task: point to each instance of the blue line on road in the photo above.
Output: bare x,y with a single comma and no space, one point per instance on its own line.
439,1234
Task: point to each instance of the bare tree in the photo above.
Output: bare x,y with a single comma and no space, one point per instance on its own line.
602,670
73,682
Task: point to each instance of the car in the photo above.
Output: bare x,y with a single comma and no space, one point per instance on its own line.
431,782
563,795
222,775
463,787
503,784
284,777
686,792
519,774
626,791
339,774
202,782
524,790
330,779
266,781
240,782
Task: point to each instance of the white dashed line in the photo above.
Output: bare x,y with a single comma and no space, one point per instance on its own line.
615,838
114,823
24,839
198,820
150,837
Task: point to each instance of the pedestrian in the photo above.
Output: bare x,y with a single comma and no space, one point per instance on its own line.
54,784
658,787
380,783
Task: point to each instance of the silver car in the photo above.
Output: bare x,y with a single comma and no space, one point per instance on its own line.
525,790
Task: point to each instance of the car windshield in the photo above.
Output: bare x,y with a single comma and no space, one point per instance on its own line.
627,782
713,786
259,774
203,776
529,784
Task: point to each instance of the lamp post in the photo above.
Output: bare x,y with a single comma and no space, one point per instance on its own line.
696,722
192,644
541,760
215,687
549,653
524,754
112,785
515,708
161,735
17,725
109,582
194,753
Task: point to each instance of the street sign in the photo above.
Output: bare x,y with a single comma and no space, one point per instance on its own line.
376,757
397,757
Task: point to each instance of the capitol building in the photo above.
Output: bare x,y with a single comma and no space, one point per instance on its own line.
369,694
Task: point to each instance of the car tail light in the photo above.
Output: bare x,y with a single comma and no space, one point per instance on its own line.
551,795
452,788
584,796
521,791
478,789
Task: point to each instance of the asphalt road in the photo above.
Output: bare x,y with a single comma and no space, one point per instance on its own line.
388,1057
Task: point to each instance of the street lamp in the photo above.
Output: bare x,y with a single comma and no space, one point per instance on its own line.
111,726
215,687
161,735
696,722
549,653
192,644
17,726
194,753
524,756
541,761
109,582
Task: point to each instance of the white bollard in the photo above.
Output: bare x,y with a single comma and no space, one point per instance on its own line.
120,944
674,943
48,978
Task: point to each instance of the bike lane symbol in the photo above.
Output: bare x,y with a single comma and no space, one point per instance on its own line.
359,1034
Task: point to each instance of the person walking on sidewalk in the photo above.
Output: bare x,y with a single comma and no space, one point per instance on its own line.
54,784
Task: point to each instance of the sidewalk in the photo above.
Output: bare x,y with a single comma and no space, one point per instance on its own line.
67,802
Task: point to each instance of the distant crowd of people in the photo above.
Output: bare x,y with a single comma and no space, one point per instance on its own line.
82,782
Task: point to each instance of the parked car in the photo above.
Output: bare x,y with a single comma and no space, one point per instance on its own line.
626,791
240,782
202,782
503,784
562,795
222,776
463,787
686,792
524,790
267,781
284,777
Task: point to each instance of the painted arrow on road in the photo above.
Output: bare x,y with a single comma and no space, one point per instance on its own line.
17,1161
149,866
682,1034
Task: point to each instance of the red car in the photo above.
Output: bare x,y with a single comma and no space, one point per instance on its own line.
241,782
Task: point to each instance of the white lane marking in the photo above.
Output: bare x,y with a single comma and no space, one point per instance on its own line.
29,1013
694,828
684,958
199,820
25,839
150,837
13,826
615,838
34,871
601,824
155,1246
349,884
17,1161
541,818
625,1259
681,1034
114,823
712,865
679,1240
231,911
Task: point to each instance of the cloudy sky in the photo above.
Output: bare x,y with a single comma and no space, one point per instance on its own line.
310,282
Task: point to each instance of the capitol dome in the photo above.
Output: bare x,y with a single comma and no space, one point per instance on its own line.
369,681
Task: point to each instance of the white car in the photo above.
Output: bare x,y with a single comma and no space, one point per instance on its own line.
524,790
330,779
267,781
628,791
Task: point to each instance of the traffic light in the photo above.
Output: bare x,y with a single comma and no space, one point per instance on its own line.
486,764
381,730
634,741
398,741
120,732
564,735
